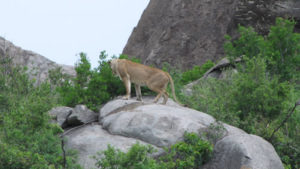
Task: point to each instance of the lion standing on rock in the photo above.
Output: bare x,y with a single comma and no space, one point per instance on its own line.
142,75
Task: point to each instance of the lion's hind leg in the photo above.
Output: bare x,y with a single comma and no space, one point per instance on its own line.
165,95
157,97
159,86
160,91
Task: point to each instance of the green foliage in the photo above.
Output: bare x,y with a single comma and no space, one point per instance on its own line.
247,98
252,85
12,157
281,52
196,73
136,158
260,95
27,139
190,153
254,102
91,87
281,48
284,49
249,44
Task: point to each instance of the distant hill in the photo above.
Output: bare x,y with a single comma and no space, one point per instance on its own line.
38,65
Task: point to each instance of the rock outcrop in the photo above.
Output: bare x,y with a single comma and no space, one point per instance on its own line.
244,150
38,66
91,139
67,117
185,33
125,122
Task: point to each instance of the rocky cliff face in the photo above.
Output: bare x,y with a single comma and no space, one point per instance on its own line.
185,33
38,66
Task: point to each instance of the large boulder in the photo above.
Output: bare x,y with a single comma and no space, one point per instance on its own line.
164,125
159,125
185,33
38,66
124,122
90,139
244,150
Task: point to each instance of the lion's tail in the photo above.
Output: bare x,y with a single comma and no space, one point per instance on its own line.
173,88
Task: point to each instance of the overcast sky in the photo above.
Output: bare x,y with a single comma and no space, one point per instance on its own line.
60,29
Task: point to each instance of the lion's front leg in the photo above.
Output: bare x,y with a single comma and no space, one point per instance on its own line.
138,92
127,84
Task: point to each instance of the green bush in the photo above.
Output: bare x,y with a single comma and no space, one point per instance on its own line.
260,95
284,50
11,157
255,92
196,73
27,139
253,102
136,158
91,87
247,97
190,153
281,48
275,96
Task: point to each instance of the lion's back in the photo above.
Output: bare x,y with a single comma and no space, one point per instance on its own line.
140,73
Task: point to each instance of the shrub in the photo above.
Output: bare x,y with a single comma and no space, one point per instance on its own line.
255,92
136,158
276,94
27,139
90,87
196,73
258,97
281,48
190,153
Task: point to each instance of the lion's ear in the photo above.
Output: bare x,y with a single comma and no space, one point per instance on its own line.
109,62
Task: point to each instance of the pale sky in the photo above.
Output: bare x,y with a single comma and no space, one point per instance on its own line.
60,29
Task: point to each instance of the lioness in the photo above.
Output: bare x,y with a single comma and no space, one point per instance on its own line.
142,75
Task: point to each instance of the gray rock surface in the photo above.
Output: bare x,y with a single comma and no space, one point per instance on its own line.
122,105
124,122
185,33
159,125
164,125
81,115
236,151
38,66
60,114
69,117
91,139
260,14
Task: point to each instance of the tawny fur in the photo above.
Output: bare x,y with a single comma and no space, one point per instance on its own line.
142,75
